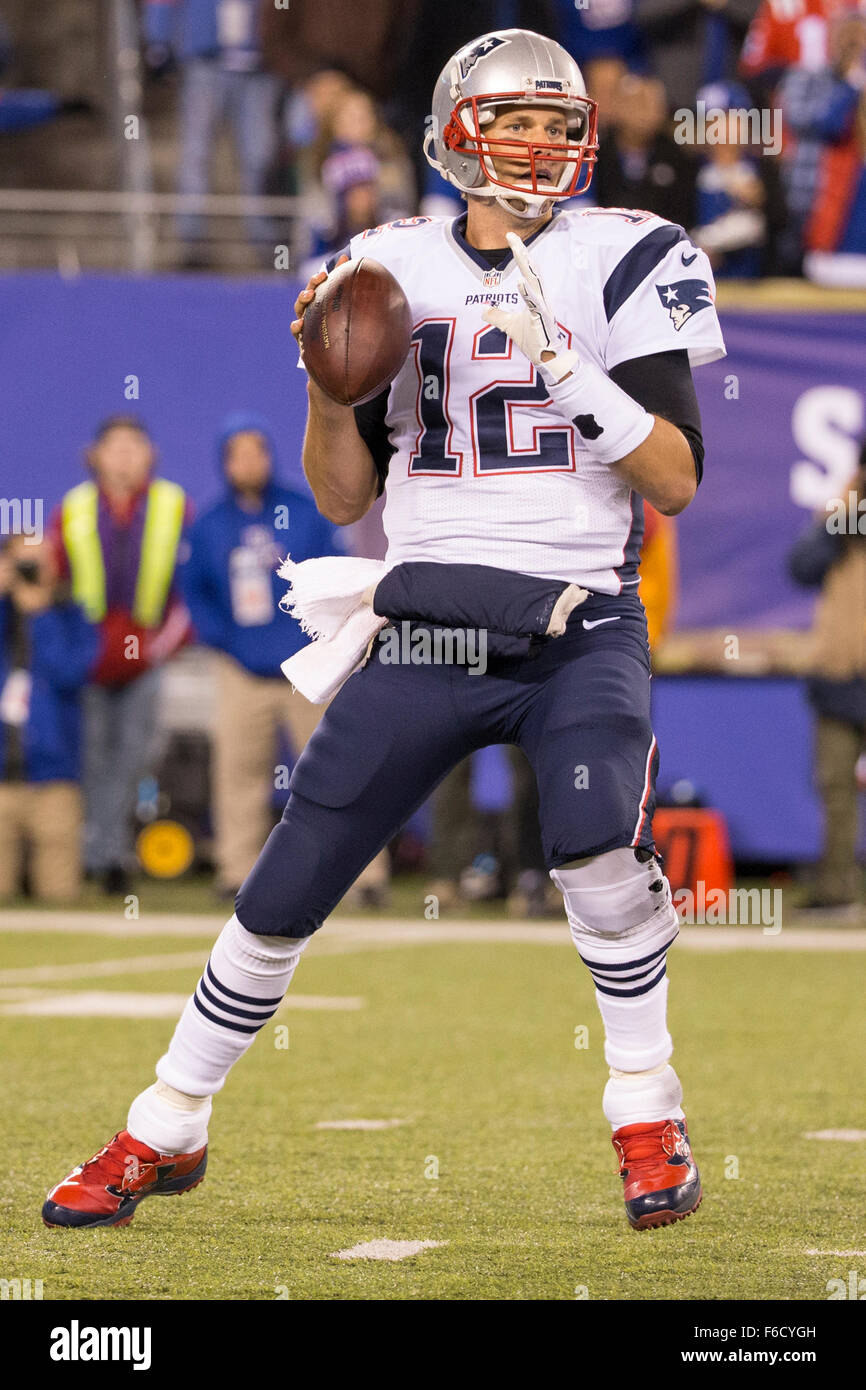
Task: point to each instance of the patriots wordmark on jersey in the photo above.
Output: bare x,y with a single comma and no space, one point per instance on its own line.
484,469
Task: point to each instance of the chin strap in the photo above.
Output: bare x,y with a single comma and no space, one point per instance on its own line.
533,205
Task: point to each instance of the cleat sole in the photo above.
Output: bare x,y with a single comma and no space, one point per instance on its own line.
655,1220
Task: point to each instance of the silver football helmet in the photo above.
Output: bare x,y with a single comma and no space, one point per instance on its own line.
511,67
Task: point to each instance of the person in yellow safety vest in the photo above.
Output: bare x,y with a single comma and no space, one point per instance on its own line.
659,578
118,538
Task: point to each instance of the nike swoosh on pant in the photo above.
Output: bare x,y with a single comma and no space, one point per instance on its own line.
599,621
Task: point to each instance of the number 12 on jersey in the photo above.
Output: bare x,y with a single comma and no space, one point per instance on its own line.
491,409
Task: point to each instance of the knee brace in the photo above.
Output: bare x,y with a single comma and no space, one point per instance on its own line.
617,894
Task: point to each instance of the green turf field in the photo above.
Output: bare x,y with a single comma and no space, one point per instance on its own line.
472,1046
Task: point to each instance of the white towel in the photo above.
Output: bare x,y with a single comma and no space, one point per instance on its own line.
330,597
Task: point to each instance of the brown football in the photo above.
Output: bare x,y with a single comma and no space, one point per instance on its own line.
356,332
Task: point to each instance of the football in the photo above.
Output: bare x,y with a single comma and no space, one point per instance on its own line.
356,332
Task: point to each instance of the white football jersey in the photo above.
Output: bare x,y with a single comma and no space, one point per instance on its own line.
486,470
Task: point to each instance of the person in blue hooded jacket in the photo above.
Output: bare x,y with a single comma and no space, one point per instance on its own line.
232,590
47,647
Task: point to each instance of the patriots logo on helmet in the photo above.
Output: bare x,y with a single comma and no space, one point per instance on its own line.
481,50
684,299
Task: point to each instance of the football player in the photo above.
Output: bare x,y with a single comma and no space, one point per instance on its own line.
548,391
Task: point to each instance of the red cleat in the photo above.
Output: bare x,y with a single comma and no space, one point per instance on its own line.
106,1190
662,1182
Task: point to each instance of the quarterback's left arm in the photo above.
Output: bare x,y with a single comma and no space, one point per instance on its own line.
650,453
662,469
646,436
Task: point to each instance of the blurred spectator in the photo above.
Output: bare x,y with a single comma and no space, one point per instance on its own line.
828,110
218,46
22,108
639,163
308,110
485,841
693,42
602,29
785,35
233,591
366,41
837,692
741,206
46,649
117,537
363,171
604,81
822,109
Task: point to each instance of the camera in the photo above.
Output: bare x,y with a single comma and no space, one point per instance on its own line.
28,571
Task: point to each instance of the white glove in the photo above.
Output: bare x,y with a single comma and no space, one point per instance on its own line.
533,329
610,423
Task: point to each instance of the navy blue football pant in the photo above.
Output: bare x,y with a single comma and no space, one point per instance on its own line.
578,706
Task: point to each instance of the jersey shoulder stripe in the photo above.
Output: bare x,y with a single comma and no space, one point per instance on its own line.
637,263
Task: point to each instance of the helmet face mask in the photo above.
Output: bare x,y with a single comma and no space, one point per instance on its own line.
576,155
514,69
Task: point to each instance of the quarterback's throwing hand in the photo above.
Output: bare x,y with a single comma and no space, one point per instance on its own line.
534,329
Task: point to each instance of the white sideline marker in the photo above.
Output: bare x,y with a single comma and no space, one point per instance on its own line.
359,1124
387,1249
848,1136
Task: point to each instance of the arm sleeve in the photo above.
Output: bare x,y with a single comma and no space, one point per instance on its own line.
662,383
371,421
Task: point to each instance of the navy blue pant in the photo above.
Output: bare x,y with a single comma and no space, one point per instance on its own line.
578,706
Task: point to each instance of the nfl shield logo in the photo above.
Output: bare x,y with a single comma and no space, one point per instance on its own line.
491,279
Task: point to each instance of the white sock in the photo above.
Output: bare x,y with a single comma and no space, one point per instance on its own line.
169,1121
641,1098
240,990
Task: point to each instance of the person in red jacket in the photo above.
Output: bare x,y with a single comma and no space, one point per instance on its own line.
118,537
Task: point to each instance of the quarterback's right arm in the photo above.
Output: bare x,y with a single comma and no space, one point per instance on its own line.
338,465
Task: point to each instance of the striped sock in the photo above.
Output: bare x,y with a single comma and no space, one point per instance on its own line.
241,988
631,990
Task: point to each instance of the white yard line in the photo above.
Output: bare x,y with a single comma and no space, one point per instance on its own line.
360,1124
845,1136
94,1003
843,1254
346,935
88,970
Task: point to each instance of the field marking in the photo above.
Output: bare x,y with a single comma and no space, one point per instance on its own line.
134,965
387,1249
848,1136
844,1254
346,935
92,1003
359,1124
